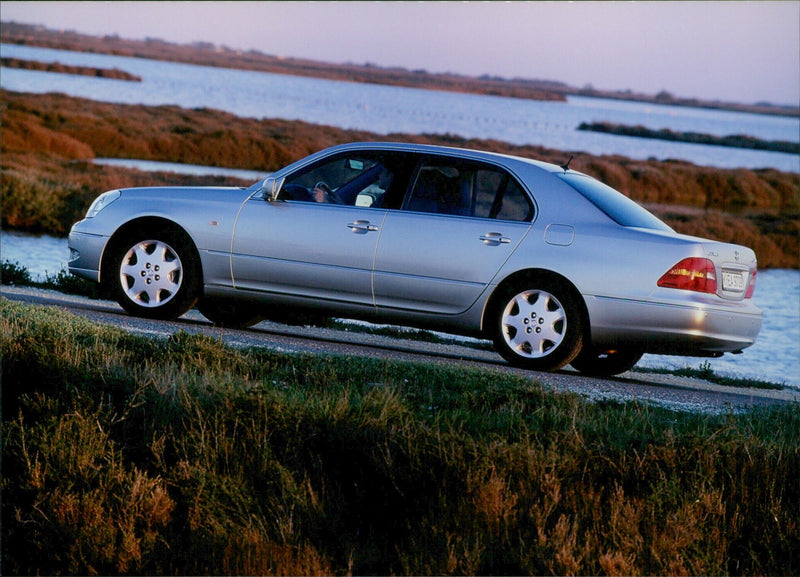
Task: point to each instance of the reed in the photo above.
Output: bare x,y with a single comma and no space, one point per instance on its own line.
47,181
183,456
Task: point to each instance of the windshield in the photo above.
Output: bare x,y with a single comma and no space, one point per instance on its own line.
613,203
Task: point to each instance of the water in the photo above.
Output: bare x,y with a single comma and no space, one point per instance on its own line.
775,357
391,109
42,255
156,166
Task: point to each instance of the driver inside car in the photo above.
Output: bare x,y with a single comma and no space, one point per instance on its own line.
323,193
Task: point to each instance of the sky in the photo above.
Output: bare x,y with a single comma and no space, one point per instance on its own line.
732,51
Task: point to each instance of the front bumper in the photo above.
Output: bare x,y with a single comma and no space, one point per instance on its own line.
86,253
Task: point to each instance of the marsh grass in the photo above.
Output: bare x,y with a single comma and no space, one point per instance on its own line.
48,182
183,456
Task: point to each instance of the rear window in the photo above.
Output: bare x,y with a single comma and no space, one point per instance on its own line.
613,203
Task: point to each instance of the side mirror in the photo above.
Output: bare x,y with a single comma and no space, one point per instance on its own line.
271,187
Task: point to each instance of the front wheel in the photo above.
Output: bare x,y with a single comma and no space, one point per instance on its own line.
598,363
154,274
538,325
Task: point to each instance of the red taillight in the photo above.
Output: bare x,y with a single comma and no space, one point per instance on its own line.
751,286
693,274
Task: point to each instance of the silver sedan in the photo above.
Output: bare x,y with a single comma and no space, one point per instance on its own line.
552,265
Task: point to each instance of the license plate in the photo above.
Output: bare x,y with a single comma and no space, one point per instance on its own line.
732,281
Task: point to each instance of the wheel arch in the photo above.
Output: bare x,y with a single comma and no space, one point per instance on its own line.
145,224
538,274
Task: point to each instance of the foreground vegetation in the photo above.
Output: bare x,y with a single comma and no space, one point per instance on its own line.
14,274
47,143
184,456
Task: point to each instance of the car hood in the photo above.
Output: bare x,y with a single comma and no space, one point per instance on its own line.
185,191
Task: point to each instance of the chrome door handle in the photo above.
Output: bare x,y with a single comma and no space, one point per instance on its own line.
494,237
362,226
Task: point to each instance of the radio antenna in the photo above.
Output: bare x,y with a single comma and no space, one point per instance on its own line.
566,165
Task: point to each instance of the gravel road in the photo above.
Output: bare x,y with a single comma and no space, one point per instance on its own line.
678,393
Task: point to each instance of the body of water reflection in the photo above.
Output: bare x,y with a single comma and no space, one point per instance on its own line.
178,168
392,109
775,357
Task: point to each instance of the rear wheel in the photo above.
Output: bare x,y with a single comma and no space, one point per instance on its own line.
228,314
153,274
538,324
600,363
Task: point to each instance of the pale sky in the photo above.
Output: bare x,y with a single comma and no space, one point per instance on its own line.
732,51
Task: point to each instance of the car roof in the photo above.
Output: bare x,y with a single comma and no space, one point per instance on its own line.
444,150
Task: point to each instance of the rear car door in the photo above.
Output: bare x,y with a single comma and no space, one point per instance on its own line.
460,221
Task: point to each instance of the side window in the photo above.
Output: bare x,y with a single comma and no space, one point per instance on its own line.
441,189
447,186
355,180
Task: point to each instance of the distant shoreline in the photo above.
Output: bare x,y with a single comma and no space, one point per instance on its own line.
207,54
110,73
732,141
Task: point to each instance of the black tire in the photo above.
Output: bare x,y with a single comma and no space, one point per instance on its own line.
153,274
229,314
598,363
538,324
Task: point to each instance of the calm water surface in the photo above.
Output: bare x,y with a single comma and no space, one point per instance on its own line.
775,357
391,109
179,168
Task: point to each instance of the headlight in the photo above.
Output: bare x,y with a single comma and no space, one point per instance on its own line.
101,202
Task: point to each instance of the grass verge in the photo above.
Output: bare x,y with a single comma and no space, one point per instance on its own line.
183,456
12,273
706,373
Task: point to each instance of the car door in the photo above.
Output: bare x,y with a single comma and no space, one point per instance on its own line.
306,249
318,239
459,223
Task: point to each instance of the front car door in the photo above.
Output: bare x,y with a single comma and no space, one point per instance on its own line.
318,239
459,223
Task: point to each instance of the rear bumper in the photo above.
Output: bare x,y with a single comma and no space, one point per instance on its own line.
696,328
86,253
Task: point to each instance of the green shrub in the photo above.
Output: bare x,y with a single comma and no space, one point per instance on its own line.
13,273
